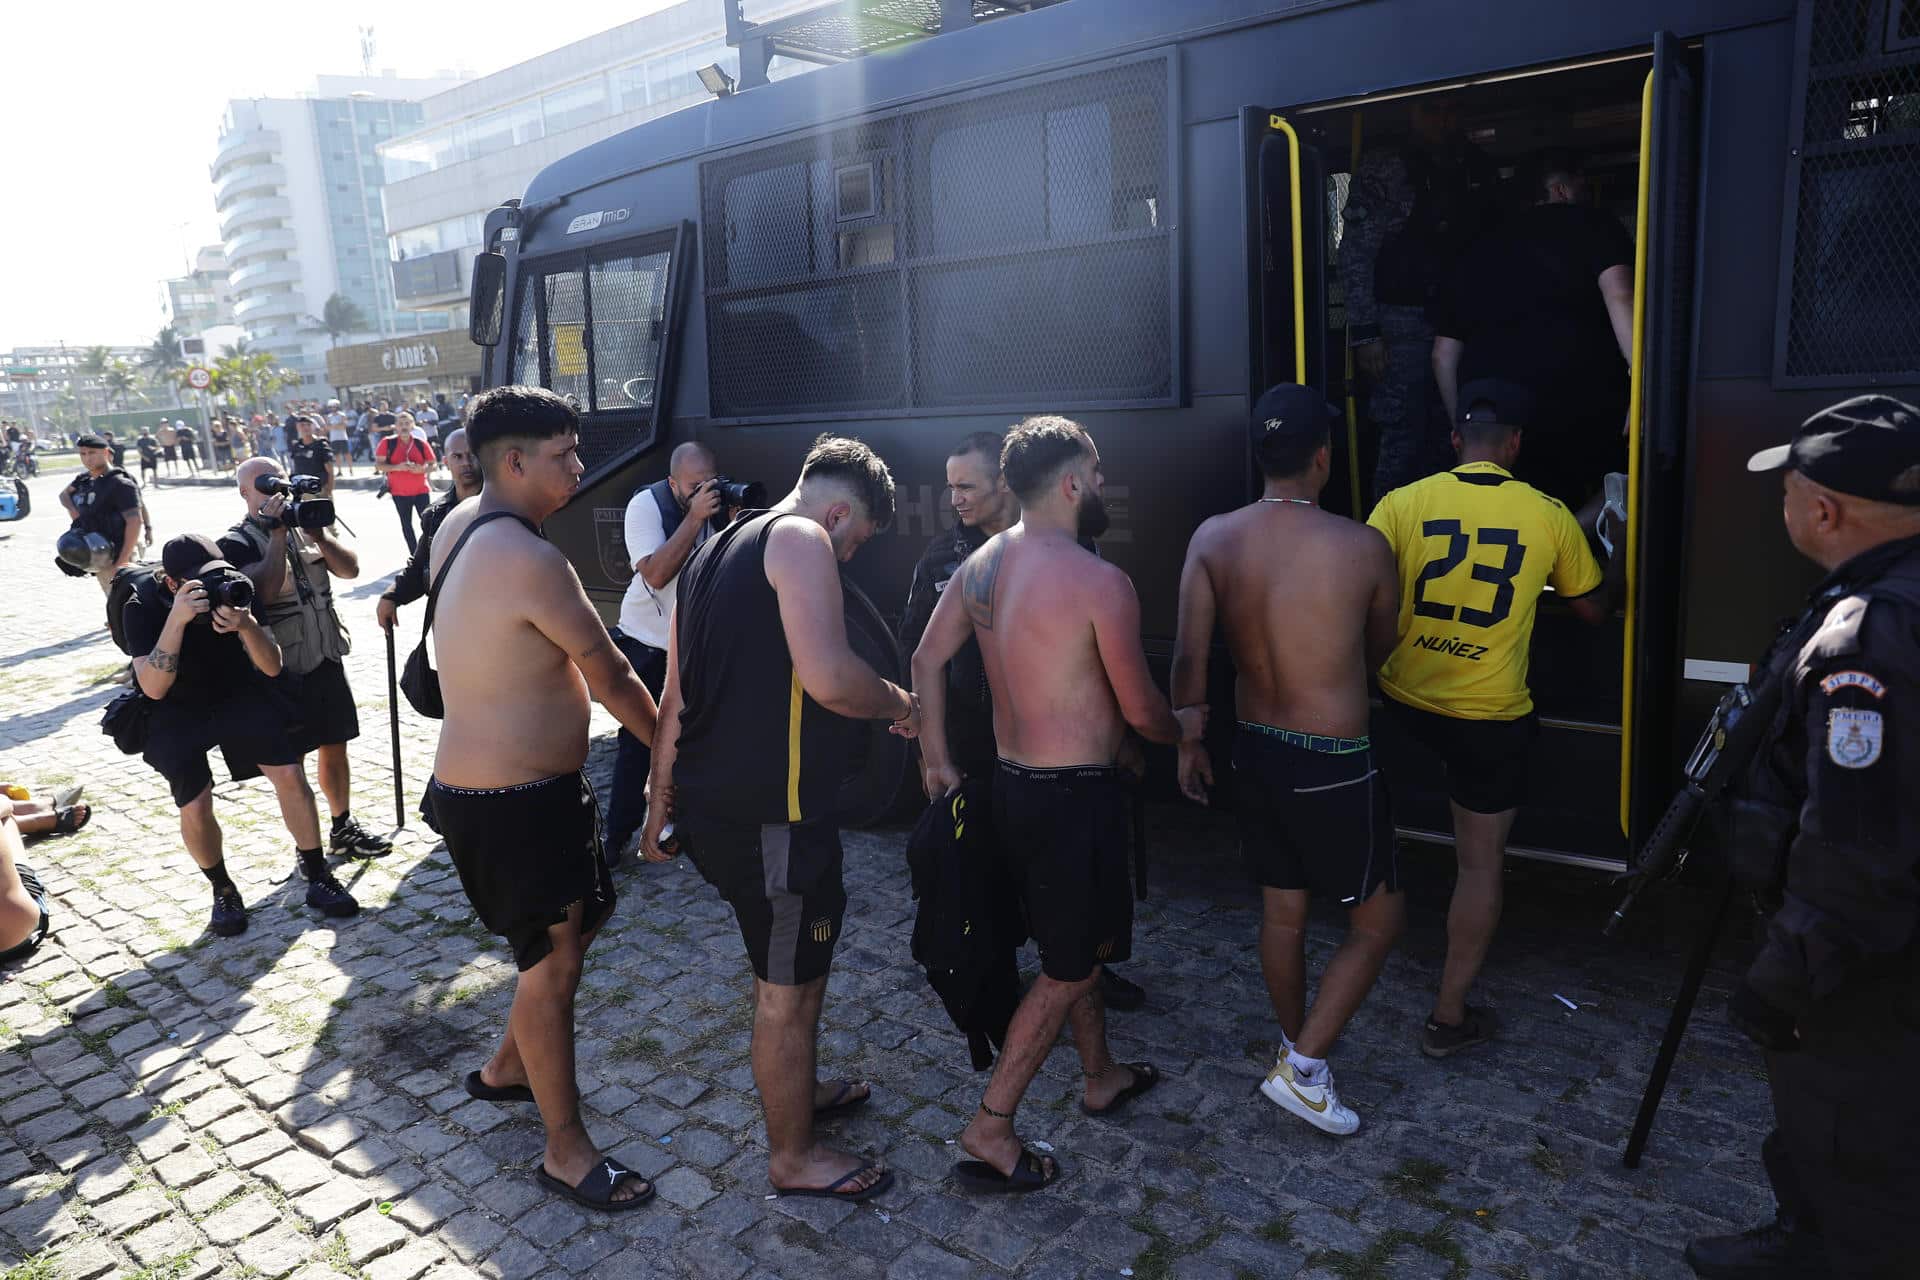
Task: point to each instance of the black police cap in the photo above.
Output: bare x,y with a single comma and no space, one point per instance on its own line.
188,555
1496,400
90,441
1866,447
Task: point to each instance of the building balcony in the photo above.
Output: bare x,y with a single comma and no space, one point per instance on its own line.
245,144
248,245
252,278
270,305
247,177
251,210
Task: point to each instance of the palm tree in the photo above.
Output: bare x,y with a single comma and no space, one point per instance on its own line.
93,366
163,353
340,316
121,383
250,377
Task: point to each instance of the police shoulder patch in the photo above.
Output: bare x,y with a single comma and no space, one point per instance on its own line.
1853,680
1854,737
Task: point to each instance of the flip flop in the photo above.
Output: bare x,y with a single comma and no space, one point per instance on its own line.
1029,1174
832,1190
841,1102
595,1191
65,823
1145,1076
478,1088
65,796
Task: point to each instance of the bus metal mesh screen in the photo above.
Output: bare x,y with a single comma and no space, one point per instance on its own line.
1856,239
1005,251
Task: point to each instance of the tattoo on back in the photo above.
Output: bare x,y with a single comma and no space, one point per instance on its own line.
161,660
977,579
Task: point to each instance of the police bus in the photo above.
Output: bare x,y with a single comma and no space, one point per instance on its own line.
1128,211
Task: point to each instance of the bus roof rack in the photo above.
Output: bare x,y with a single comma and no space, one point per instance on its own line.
841,30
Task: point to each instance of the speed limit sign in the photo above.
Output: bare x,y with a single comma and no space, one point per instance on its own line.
199,379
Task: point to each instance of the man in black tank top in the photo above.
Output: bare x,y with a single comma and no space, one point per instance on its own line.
760,696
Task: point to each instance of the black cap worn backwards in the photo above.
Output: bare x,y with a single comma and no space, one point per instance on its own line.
90,441
1868,447
1496,400
1290,414
189,555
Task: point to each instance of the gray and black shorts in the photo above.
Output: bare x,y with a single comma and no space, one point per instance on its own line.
783,882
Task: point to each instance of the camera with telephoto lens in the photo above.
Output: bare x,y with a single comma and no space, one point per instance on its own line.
749,495
304,511
225,585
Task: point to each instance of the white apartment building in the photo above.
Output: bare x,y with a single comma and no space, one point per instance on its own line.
483,141
203,299
296,182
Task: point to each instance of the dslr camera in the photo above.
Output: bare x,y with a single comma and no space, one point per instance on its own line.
747,495
305,511
225,585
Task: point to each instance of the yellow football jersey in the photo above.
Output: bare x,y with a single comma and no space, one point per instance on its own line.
1476,548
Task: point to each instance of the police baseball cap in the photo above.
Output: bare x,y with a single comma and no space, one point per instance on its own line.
1867,447
90,441
1290,415
189,555
1496,400
384,419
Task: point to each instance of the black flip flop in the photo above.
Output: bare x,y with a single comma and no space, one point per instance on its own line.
595,1191
841,1102
478,1088
1145,1076
70,819
832,1190
1029,1174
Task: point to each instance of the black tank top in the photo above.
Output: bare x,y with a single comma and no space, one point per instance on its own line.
753,747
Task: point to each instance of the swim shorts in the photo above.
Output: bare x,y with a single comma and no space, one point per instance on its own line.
1064,835
1485,760
1313,813
784,885
525,855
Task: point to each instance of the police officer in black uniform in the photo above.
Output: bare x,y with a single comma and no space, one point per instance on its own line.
1827,825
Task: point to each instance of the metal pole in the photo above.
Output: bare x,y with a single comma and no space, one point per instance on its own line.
1677,1023
393,720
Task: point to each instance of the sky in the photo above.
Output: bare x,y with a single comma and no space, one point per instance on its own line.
113,109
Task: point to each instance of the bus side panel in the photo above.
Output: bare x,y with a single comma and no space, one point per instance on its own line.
1741,573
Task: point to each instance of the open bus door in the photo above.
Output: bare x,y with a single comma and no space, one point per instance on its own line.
1658,426
1287,248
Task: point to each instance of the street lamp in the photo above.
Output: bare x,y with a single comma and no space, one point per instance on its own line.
715,78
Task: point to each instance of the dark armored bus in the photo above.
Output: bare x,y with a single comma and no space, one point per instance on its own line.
1128,211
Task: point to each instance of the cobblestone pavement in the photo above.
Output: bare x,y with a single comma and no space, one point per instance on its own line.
173,1104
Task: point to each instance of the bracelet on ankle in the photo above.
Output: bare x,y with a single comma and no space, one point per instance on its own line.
997,1115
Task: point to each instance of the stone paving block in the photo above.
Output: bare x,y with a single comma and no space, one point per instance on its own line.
202,1196
408,1263
211,1106
510,1195
427,1206
130,1211
705,1258
238,1127
684,1187
39,1223
468,1165
164,1240
241,1219
428,1139
989,1238
370,1234
49,1127
276,1253
929,1262
333,1200
28,1105
185,1167
471,1235
293,1172
583,1251
136,1035
363,1158
102,1179
71,1153
259,1149
550,1224
515,1259
85,1260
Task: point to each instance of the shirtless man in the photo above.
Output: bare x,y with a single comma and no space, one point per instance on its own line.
1059,630
508,793
1310,603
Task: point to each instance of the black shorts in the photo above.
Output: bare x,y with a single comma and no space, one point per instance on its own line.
783,882
327,715
166,451
1313,813
525,855
1065,837
249,728
1485,760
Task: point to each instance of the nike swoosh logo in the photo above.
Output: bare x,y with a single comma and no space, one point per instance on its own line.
1309,1103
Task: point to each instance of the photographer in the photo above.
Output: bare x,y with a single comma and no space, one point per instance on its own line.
411,582
103,500
665,522
292,570
208,668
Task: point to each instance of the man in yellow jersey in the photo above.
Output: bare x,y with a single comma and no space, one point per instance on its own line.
1476,548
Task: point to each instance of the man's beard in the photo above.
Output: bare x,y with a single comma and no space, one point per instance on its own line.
1093,517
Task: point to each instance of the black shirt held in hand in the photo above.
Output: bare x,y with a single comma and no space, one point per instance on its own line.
212,665
310,457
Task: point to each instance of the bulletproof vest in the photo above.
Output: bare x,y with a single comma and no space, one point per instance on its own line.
94,518
305,624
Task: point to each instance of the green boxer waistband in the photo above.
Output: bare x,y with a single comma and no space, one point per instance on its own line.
1324,743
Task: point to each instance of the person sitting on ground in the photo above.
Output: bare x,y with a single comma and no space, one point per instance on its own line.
24,917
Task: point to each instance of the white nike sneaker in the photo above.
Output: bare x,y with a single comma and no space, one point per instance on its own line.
1615,509
1317,1104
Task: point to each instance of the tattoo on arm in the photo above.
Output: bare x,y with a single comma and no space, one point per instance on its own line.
977,579
161,660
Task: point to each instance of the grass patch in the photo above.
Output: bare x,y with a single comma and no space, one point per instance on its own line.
638,1046
41,1266
1510,1271
165,1110
115,995
167,1268
1547,1161
1279,1230
1418,1180
1376,1262
1155,1262
334,1253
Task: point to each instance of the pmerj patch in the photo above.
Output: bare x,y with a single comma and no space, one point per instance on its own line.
1854,737
1853,680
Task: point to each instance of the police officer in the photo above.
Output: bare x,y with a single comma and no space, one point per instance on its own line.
1411,212
1825,826
103,499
